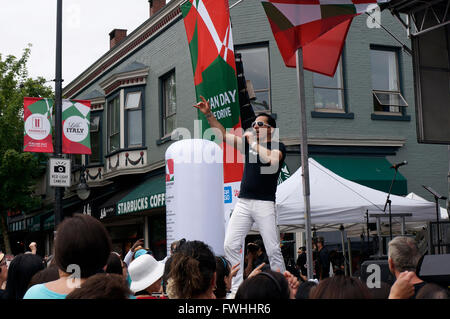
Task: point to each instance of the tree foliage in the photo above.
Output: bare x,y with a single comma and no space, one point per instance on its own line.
18,170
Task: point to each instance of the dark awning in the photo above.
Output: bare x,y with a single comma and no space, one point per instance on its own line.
109,207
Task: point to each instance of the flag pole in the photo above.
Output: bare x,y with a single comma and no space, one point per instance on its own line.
305,166
59,191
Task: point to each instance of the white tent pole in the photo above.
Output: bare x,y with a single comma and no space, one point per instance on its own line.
341,229
305,166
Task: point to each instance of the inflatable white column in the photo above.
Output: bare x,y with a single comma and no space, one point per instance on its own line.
194,193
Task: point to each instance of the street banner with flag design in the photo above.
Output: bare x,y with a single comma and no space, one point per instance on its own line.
37,114
320,27
76,124
208,30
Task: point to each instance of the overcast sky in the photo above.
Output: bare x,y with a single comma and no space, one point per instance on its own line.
86,27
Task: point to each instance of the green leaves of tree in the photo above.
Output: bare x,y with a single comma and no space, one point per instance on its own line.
18,170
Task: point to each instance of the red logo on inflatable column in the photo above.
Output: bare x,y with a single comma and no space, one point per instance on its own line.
169,171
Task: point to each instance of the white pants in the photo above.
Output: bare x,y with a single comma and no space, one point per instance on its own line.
244,214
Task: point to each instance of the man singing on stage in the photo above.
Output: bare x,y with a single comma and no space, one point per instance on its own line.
263,161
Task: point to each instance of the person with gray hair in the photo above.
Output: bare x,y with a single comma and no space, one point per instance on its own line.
404,256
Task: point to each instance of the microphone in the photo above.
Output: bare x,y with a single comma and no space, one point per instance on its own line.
399,164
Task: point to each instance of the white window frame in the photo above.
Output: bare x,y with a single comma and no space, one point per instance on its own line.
341,89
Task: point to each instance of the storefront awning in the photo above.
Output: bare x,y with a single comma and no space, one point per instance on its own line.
148,195
109,207
374,172
34,223
49,222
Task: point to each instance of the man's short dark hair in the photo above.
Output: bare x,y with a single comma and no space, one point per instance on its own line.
265,285
270,120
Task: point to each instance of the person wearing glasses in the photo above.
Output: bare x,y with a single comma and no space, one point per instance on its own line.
264,158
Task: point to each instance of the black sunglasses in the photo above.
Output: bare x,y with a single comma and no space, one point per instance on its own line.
260,124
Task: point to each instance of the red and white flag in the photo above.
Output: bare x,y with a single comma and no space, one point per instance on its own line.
37,113
320,27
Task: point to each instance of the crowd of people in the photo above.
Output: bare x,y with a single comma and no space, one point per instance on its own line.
85,267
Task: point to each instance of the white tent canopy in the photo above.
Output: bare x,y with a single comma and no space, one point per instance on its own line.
443,211
335,201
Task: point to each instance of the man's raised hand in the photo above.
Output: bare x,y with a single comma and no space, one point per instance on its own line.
203,106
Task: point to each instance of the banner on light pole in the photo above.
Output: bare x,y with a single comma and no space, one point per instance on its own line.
37,113
76,116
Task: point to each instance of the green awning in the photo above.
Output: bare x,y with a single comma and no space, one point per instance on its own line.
373,172
148,195
35,223
49,222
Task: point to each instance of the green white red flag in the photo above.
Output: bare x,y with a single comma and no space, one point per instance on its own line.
208,30
37,114
76,123
320,27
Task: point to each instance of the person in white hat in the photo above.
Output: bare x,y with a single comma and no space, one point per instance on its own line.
146,275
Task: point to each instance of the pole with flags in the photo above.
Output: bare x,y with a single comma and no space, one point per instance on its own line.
311,35
305,166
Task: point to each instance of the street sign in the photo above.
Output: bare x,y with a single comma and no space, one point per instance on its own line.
59,172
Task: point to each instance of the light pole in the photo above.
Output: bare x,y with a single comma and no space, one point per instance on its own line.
58,109
83,190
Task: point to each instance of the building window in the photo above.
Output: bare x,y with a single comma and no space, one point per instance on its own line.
329,91
169,103
133,109
387,98
255,61
76,160
96,141
113,124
